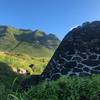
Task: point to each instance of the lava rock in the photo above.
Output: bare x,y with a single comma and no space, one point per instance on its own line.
78,52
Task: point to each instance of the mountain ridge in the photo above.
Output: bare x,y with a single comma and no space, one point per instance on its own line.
27,41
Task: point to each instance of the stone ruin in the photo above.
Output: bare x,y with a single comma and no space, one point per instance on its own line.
78,54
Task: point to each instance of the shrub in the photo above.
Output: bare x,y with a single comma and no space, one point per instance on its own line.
65,88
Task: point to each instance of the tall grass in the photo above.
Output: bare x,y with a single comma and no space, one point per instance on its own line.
65,88
23,61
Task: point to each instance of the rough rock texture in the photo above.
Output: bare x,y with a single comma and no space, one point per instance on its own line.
78,53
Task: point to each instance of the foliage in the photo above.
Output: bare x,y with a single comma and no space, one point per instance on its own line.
65,88
16,61
33,43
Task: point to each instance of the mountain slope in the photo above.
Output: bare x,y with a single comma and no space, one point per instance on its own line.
34,43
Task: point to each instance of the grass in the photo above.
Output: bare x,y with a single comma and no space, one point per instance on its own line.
65,88
32,43
10,62
33,51
23,61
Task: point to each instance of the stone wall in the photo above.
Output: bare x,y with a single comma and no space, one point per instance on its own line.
78,53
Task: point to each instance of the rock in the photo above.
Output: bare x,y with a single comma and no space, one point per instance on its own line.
78,53
91,62
32,66
27,72
55,76
92,57
86,69
21,71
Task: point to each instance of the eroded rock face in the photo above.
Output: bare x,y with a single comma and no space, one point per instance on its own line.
78,53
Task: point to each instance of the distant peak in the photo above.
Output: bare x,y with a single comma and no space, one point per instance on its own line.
39,33
51,34
38,30
25,29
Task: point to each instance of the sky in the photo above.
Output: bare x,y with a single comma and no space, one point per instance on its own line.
51,16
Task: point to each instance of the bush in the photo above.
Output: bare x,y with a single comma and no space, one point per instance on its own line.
68,88
65,88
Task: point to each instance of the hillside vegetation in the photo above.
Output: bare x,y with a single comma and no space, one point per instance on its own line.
20,48
18,61
66,88
34,43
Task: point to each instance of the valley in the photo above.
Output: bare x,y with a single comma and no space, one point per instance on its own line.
20,48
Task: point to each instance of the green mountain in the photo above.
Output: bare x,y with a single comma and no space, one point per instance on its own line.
34,43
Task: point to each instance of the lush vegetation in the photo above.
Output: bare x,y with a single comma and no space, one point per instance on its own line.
65,88
20,48
34,43
15,61
10,63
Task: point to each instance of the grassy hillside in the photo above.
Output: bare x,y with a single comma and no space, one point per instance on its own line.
10,63
23,61
19,49
66,88
35,51
33,43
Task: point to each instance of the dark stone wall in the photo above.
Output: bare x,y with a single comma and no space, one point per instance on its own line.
78,54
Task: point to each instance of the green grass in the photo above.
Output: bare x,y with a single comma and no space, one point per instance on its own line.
33,51
23,61
65,88
33,43
10,62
